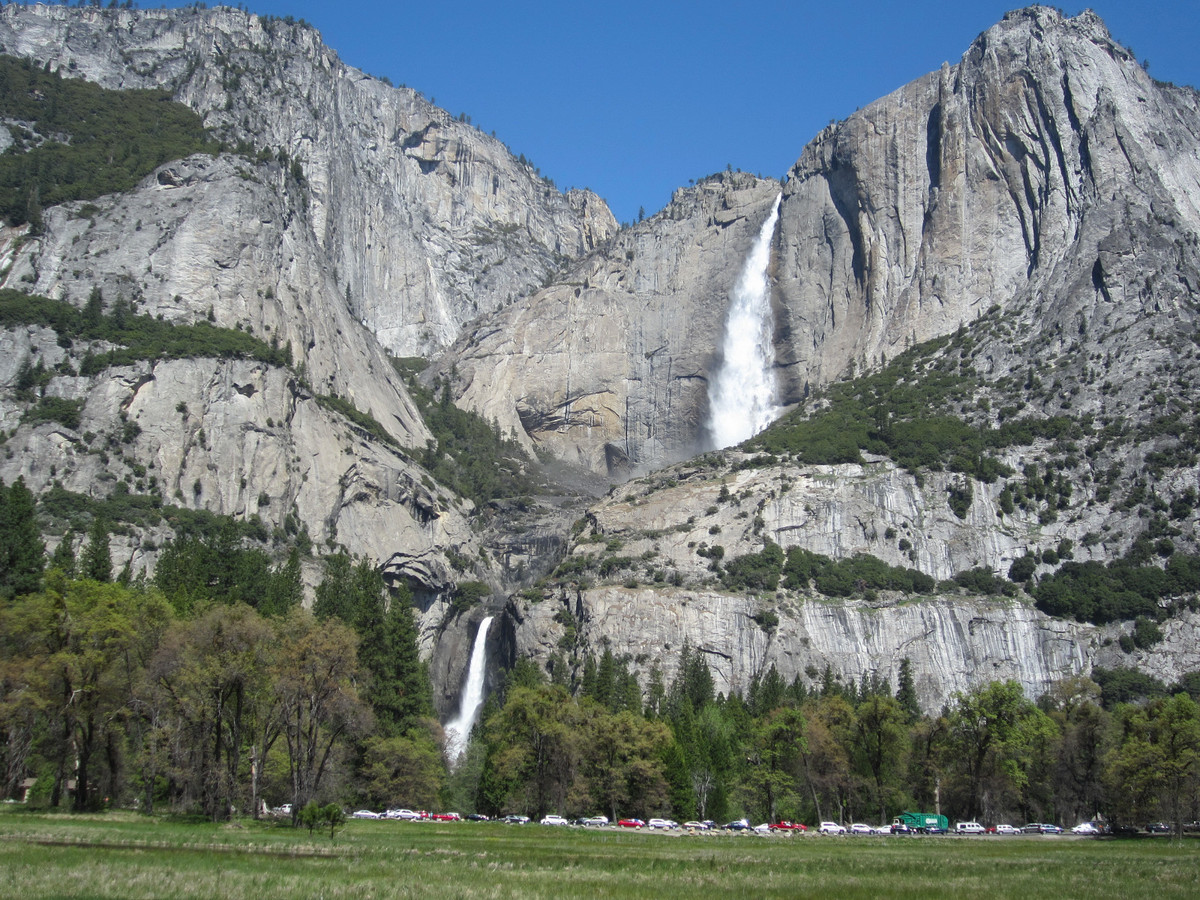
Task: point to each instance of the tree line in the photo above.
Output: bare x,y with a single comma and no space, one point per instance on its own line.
211,689
208,689
848,752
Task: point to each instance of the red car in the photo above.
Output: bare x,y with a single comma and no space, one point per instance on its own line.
788,826
632,823
446,817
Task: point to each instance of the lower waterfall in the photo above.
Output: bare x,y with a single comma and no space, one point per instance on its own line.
742,395
458,729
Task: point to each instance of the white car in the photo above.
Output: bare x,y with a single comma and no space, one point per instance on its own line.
554,820
764,828
1007,829
364,814
662,823
831,828
696,826
969,828
406,814
861,828
594,821
1085,828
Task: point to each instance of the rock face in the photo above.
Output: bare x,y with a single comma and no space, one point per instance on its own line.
659,536
1041,197
1022,176
355,219
422,221
1046,173
953,644
608,368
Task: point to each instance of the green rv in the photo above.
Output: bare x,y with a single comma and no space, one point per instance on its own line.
921,822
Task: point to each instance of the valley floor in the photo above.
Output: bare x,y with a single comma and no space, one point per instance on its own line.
129,856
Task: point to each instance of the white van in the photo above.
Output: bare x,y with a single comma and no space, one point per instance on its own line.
969,828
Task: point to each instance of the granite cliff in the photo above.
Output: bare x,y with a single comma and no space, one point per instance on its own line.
1045,173
422,221
1025,221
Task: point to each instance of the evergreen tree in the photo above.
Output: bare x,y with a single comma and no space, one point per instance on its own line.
285,591
606,689
22,552
387,650
333,596
400,692
97,560
906,691
63,558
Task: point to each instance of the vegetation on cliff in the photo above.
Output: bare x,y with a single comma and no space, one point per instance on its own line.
73,140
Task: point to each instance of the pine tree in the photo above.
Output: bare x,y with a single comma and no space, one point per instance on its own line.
400,693
63,558
334,592
906,691
285,591
97,559
22,552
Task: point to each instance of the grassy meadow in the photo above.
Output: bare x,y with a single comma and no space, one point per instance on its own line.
129,856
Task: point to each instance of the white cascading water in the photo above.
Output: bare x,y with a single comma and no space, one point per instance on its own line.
741,396
458,730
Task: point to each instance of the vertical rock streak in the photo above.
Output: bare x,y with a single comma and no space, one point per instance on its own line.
742,395
458,730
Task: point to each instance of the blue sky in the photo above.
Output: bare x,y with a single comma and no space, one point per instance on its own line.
633,99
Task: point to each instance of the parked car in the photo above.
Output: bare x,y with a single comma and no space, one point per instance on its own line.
477,817
1006,829
1158,828
901,828
738,825
446,817
406,814
831,828
516,820
594,821
364,814
697,826
1085,828
662,823
788,826
554,820
969,828
861,828
1047,828
282,810
631,823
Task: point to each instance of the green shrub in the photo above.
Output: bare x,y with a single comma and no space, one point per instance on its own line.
1022,569
468,594
67,413
1121,590
846,577
755,571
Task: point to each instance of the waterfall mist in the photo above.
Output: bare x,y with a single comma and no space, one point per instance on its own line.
742,394
458,729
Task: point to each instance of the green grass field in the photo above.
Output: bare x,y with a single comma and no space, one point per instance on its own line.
128,856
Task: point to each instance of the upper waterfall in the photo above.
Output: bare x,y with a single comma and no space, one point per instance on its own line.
742,395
